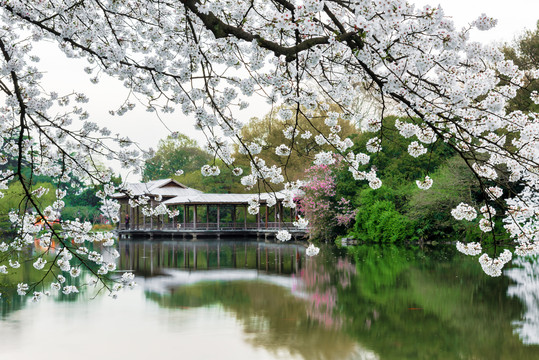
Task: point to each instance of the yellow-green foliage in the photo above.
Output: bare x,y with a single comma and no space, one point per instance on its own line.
14,197
15,200
268,133
103,227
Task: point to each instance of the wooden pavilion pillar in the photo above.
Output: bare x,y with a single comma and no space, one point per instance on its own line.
233,216
185,214
134,219
207,216
267,210
245,217
195,216
131,219
277,214
151,216
218,217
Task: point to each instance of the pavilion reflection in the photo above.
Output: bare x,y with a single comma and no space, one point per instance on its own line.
155,258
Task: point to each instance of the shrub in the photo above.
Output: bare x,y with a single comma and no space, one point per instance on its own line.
381,222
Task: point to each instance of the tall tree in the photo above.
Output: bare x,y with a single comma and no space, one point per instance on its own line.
176,152
524,52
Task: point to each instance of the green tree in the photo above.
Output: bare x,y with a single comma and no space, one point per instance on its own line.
525,53
395,166
453,182
179,152
386,214
85,197
176,152
378,220
226,182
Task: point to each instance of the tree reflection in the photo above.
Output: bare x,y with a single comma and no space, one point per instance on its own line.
399,302
525,274
10,301
430,303
149,259
272,317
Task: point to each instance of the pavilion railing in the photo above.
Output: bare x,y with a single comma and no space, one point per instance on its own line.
229,226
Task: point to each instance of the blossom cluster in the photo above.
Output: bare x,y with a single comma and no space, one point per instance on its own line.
472,249
301,223
464,211
416,149
312,250
208,170
425,184
283,235
493,267
254,206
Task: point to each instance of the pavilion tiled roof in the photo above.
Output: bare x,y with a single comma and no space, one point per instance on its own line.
158,187
175,193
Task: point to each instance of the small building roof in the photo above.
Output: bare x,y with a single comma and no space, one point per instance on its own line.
176,193
164,187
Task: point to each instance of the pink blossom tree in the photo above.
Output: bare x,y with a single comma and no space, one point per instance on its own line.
326,212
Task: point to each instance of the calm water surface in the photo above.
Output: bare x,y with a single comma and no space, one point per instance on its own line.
249,300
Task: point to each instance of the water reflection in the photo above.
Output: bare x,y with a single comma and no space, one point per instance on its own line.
283,300
270,301
525,274
168,265
150,258
431,303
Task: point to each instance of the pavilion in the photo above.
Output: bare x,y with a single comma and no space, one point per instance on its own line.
201,213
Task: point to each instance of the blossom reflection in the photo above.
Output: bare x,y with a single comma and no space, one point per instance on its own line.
321,283
526,288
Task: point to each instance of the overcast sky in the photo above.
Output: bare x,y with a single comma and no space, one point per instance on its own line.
145,128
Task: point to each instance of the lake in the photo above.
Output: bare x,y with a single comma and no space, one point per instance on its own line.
255,300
